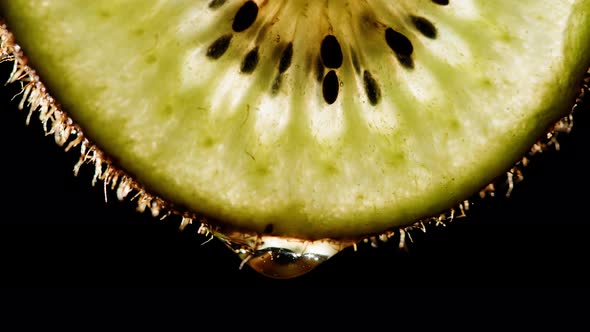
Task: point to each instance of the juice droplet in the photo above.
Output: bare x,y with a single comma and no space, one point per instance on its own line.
281,257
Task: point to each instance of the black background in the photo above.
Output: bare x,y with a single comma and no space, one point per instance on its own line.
56,230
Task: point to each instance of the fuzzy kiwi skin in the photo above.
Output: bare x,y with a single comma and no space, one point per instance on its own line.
567,96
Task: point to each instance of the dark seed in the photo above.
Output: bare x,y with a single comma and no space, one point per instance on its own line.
401,46
441,2
319,70
286,58
399,43
424,26
219,46
250,61
276,85
330,87
214,4
245,16
371,88
331,52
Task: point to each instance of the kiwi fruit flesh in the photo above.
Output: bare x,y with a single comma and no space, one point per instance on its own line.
308,120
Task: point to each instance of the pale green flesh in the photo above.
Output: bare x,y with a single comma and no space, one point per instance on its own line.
195,131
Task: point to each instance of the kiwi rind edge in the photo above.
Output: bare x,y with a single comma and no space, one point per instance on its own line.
69,135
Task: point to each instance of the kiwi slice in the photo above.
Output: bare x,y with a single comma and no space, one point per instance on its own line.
309,124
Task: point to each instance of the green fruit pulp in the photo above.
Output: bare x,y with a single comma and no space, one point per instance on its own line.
135,76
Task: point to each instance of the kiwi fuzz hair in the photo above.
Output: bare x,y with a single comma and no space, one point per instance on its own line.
37,100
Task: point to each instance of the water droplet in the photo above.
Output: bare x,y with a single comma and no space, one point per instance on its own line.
281,257
283,263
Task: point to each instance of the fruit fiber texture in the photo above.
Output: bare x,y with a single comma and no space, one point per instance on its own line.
403,136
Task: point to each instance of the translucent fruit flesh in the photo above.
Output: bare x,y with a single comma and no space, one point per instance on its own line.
138,77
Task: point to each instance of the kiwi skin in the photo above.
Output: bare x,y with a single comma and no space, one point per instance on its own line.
57,230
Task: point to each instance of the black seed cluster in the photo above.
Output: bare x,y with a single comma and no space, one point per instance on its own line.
330,55
244,18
